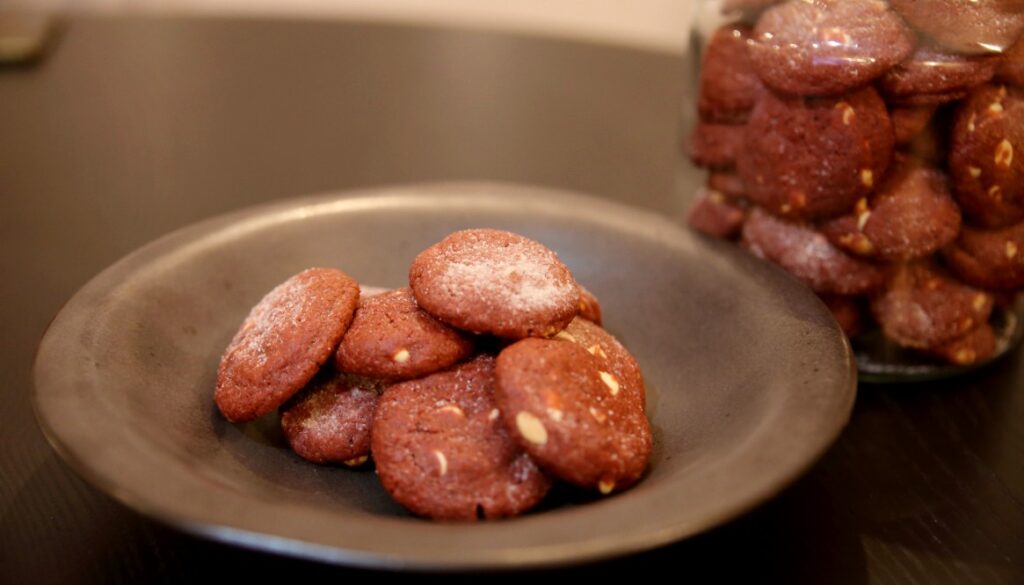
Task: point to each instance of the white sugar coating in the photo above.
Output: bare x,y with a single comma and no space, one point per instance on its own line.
331,412
282,308
520,277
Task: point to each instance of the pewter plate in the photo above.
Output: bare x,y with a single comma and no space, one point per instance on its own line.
749,378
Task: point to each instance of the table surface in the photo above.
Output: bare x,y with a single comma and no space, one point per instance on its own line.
133,127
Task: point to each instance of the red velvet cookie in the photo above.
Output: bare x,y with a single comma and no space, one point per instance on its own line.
975,346
1011,66
283,342
590,307
714,215
715,145
992,259
580,422
934,70
966,26
728,87
442,450
923,307
809,256
985,159
727,183
330,421
911,215
827,47
612,356
813,158
909,122
393,339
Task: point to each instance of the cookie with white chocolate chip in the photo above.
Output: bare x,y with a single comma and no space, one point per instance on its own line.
992,259
573,412
443,452
497,282
330,421
985,161
393,339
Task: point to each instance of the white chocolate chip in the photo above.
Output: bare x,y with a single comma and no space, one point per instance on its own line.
863,219
401,356
566,336
970,123
848,113
965,356
785,208
867,177
716,197
605,486
452,409
1011,249
442,462
995,192
596,350
975,171
979,301
555,414
356,461
610,381
531,428
493,416
996,108
598,415
1004,154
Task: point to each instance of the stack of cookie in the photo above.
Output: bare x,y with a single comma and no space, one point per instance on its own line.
867,147
472,389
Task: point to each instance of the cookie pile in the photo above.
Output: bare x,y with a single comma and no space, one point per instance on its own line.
870,148
473,389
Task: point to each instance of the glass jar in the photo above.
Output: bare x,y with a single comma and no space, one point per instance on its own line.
874,150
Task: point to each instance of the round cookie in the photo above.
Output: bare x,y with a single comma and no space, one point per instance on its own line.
575,419
847,312
590,307
713,215
727,183
611,355
909,122
827,47
965,26
330,421
728,86
283,342
443,452
393,339
975,346
992,259
928,99
932,70
809,256
911,215
813,158
985,158
1011,67
492,281
715,145
924,307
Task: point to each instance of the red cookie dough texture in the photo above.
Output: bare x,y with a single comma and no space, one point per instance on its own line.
974,346
808,255
392,338
716,145
580,422
933,70
714,215
923,307
985,158
728,85
283,342
590,307
330,421
827,47
491,281
912,215
966,26
813,158
992,259
443,452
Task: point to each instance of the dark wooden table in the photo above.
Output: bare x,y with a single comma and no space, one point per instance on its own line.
131,128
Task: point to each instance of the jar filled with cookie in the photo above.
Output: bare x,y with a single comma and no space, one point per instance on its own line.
871,149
